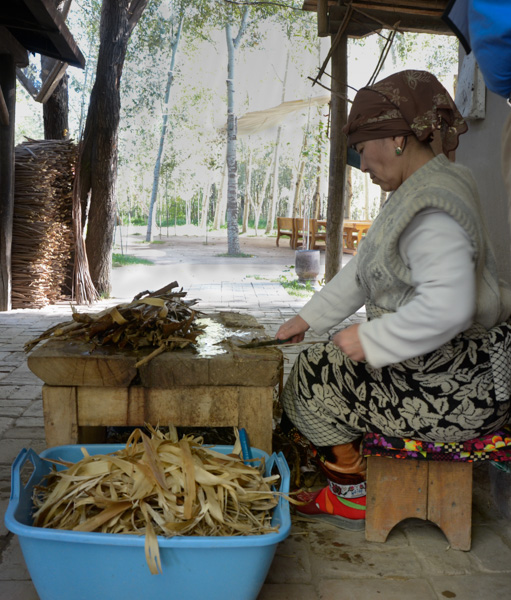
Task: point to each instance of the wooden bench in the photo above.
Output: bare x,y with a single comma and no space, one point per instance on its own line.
303,232
222,386
437,487
285,228
318,235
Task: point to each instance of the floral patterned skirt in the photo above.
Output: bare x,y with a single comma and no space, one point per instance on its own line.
444,396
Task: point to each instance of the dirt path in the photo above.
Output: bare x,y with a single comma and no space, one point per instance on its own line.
194,257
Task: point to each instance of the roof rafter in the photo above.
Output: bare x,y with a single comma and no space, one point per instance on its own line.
368,16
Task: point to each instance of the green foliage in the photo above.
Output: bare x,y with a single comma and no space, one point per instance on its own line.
83,21
295,288
29,117
121,260
439,53
256,277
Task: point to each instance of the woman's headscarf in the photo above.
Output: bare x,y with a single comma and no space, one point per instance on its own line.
405,103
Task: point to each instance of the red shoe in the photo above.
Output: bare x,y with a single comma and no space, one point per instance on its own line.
326,506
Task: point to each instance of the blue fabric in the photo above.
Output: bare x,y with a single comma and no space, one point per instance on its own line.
490,39
484,26
456,16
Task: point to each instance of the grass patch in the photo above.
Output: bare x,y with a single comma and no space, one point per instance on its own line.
295,288
157,242
121,260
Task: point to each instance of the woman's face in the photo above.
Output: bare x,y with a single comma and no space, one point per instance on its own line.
379,159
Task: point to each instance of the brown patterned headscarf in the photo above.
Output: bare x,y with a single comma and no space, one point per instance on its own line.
405,103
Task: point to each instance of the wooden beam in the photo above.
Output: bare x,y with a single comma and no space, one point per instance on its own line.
51,81
4,111
364,22
398,10
323,18
431,5
10,45
27,83
369,16
44,31
338,151
8,87
335,41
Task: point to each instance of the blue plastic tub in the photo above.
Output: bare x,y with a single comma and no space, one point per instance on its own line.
68,565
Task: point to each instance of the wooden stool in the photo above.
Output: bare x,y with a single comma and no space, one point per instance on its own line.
436,487
436,491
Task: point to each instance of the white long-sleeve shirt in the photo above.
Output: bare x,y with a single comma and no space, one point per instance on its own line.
441,260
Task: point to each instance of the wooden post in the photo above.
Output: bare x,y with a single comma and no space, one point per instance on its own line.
323,23
337,170
8,86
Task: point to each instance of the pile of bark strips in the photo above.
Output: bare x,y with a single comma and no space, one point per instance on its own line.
42,242
158,321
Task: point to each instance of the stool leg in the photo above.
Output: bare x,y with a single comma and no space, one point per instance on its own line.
60,415
450,501
396,490
255,415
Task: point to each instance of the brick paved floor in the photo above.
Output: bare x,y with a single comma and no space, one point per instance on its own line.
316,561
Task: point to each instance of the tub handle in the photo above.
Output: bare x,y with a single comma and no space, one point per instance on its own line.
26,455
278,460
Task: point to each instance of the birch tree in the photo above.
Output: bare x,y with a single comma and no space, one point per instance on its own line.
157,166
233,241
275,177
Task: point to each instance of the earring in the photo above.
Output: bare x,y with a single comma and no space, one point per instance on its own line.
399,151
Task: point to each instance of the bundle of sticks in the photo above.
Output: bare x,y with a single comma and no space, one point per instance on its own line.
162,320
42,222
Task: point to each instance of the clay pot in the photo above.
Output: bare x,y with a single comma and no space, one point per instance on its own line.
307,265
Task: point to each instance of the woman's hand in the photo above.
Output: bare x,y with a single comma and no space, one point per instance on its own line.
349,342
293,330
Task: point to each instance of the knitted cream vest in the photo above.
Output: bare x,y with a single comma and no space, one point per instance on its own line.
383,275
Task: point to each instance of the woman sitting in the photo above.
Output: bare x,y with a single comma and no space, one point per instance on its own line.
432,362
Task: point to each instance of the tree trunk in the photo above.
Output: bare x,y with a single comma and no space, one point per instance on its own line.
257,210
205,206
366,196
262,196
98,157
338,152
56,112
274,191
290,204
299,180
349,193
316,202
248,190
233,241
8,88
188,211
275,181
219,219
233,238
163,135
